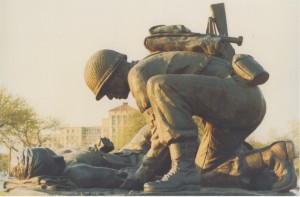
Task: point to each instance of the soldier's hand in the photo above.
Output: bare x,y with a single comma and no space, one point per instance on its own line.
132,181
105,145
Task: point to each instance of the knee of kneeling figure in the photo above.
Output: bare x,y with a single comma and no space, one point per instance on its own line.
155,84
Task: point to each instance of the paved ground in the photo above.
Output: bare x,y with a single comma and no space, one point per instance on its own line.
119,192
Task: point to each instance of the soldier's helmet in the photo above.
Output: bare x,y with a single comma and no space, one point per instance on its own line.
37,161
99,68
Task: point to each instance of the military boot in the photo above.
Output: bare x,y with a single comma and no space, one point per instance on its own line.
278,157
183,173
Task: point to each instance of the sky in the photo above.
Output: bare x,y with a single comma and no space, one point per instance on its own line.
44,46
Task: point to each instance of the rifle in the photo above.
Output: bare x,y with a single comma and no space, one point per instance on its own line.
218,23
218,18
180,38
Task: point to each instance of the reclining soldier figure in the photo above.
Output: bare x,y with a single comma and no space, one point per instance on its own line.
92,166
95,167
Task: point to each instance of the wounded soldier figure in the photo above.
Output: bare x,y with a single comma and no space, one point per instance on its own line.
85,167
95,167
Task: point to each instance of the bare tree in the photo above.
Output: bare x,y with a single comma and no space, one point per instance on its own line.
19,122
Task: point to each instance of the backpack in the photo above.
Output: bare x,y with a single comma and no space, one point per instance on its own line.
180,38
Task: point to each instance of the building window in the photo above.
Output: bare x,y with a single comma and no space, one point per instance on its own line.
125,120
113,120
119,120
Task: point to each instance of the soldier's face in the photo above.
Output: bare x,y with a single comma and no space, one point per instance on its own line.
117,87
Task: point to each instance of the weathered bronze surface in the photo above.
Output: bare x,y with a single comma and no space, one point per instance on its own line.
87,167
187,74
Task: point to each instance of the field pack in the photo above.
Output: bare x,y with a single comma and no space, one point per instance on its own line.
180,38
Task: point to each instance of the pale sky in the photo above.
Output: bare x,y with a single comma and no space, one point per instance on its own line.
44,46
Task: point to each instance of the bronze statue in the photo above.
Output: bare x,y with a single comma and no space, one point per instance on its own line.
86,167
95,167
171,87
191,74
80,166
187,74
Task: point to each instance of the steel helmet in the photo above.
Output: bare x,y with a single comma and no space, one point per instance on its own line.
37,161
99,68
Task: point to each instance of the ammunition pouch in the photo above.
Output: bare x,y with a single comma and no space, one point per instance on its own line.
250,70
149,117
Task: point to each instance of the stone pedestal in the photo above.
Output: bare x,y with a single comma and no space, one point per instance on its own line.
119,192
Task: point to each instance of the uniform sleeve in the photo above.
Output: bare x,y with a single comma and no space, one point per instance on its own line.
138,87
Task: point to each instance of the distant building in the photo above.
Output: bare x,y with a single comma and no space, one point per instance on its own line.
118,117
55,141
118,120
111,127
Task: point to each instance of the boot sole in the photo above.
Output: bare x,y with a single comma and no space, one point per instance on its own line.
291,153
292,184
180,188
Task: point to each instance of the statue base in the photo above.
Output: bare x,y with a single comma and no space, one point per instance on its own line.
207,191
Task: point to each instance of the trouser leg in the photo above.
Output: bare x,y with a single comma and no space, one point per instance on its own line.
231,109
218,146
224,103
175,98
231,175
263,169
278,157
227,174
182,144
172,113
90,176
155,161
